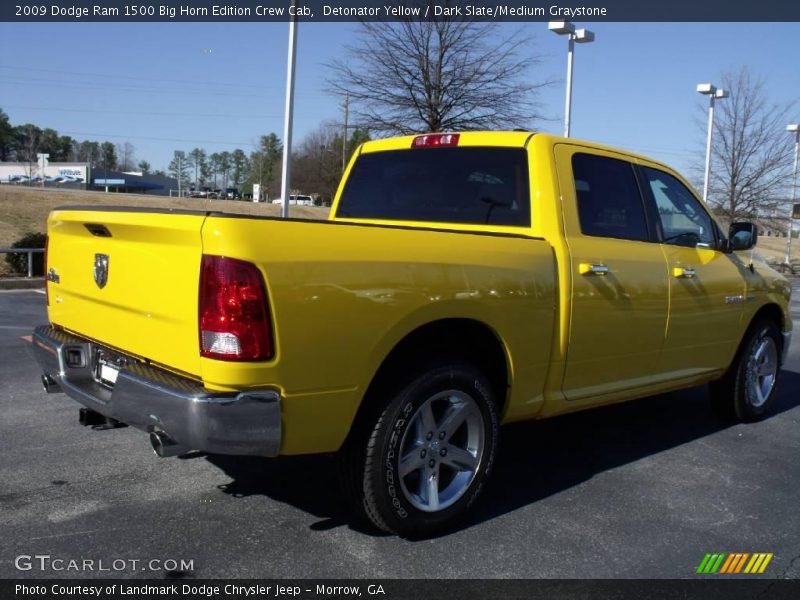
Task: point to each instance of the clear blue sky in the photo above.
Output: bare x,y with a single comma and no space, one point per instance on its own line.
168,86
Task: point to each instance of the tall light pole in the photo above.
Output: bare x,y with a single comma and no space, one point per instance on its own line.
580,36
286,170
713,94
795,129
344,133
178,157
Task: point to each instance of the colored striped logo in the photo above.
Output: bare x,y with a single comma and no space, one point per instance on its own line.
736,562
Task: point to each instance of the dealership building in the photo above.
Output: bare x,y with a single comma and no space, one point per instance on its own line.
131,183
71,175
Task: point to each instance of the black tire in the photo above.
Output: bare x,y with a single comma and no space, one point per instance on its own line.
738,395
427,498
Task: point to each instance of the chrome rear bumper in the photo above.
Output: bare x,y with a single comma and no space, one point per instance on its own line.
155,400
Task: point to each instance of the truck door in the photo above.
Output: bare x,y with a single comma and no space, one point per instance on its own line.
706,285
618,304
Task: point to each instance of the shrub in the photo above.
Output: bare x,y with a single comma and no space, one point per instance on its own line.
19,262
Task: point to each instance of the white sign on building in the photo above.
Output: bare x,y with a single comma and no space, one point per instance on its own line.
54,173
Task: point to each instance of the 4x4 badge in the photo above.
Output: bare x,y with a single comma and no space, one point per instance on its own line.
101,270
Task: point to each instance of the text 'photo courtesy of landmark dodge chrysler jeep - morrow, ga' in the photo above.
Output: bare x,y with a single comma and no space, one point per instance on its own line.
463,280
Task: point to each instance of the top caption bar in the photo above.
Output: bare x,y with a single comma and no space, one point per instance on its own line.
370,10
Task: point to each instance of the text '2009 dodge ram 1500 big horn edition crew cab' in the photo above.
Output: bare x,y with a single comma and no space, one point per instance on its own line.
463,281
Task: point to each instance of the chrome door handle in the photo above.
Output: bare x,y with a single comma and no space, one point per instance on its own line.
683,272
592,269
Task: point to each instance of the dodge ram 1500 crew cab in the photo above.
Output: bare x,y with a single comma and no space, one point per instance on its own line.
463,280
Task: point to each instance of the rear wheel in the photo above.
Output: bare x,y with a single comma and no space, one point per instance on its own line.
747,389
419,466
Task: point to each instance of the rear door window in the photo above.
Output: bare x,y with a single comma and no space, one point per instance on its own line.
474,185
608,197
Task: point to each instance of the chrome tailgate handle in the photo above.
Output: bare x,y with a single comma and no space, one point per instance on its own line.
683,272
593,269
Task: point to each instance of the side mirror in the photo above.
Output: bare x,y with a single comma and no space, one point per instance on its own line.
742,236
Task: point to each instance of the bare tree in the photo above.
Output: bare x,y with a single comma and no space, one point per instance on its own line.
127,159
318,163
751,153
178,169
441,75
318,160
88,152
28,139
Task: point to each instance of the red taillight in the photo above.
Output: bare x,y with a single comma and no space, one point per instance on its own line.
234,319
435,139
46,280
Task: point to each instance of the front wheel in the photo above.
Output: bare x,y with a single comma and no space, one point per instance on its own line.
427,456
747,389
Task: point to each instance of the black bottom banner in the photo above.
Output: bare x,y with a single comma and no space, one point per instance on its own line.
396,589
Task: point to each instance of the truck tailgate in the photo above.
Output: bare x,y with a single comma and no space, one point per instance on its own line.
128,279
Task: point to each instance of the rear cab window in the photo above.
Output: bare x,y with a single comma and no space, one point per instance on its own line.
460,185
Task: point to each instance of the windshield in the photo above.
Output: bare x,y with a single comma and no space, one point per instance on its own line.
473,185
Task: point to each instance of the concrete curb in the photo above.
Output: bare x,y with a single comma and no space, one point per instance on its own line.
21,283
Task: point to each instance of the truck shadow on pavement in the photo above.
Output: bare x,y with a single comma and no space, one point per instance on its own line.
536,459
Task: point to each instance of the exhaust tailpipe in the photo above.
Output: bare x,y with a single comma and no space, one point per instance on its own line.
164,446
50,385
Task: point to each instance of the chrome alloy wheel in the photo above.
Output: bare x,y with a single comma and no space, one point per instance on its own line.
762,371
441,450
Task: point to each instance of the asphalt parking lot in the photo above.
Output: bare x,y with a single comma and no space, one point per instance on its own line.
644,489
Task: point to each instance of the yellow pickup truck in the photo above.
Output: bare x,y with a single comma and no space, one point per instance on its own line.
463,280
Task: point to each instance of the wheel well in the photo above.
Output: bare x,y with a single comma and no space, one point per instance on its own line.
463,339
771,312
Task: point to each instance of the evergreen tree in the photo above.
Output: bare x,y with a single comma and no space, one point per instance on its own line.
239,165
6,137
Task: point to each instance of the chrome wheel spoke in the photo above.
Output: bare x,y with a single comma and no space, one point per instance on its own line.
758,355
454,418
411,461
759,395
769,365
427,419
419,428
460,459
432,487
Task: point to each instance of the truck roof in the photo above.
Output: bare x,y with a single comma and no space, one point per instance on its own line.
512,139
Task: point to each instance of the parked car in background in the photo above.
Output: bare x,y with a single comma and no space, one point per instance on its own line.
230,194
203,192
297,199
